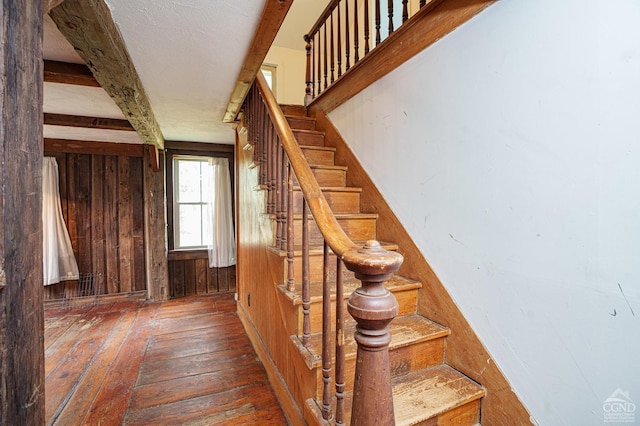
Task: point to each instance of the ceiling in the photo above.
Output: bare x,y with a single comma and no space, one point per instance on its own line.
188,55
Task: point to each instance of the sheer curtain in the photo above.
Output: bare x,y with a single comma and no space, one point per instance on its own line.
221,235
57,255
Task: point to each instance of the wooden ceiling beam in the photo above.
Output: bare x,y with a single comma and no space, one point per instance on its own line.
89,27
52,145
47,5
272,16
87,122
67,73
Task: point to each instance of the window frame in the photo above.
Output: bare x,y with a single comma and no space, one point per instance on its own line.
194,150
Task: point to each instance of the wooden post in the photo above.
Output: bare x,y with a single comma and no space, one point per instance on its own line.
155,228
373,307
21,278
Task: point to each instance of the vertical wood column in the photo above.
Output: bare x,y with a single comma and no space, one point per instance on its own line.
155,228
21,280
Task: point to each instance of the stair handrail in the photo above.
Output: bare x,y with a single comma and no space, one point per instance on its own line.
372,305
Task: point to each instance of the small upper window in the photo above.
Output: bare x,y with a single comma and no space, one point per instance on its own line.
269,72
191,181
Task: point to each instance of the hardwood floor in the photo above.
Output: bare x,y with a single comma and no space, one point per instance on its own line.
186,361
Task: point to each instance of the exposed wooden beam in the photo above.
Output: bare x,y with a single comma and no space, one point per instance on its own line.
87,122
89,27
91,147
270,21
22,370
63,72
154,157
47,5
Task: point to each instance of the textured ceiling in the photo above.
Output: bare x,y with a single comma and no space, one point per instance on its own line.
188,54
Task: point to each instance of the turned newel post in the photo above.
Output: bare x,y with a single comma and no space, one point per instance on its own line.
373,307
308,96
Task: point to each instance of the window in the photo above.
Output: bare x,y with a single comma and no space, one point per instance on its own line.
191,180
269,72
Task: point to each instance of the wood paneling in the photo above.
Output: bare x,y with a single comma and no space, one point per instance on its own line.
189,274
21,312
102,202
465,351
268,317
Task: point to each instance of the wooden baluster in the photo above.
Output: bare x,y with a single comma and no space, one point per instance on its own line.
377,21
366,26
340,373
346,36
339,45
282,183
390,8
422,3
332,42
263,142
405,10
291,286
325,58
306,295
277,178
356,35
308,91
318,61
373,307
326,336
271,168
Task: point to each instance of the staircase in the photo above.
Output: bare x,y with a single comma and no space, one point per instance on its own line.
425,389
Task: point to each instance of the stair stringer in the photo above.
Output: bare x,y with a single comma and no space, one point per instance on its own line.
465,351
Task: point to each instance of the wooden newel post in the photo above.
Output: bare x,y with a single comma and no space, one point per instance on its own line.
308,91
373,307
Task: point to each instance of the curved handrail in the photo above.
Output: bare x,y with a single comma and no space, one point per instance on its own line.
383,262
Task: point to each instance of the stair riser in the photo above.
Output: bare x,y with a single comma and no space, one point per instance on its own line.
294,110
340,202
319,157
301,123
402,360
328,177
406,305
465,415
315,269
358,229
313,139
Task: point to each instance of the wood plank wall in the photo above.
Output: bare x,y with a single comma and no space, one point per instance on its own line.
189,274
102,203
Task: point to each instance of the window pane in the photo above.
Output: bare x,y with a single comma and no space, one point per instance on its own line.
188,181
190,226
206,180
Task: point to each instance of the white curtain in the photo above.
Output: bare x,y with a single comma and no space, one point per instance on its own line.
221,235
57,255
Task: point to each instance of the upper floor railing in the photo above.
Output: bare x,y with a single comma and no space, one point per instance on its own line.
347,31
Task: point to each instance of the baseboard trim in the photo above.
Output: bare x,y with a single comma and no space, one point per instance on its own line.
287,403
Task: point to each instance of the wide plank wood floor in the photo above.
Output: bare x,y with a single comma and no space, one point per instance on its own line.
182,362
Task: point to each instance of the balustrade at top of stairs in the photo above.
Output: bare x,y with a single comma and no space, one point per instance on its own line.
425,390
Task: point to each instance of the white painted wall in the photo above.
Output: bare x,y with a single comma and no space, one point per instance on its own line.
290,73
510,150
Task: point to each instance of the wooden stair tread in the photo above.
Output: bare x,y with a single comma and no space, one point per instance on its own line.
318,148
300,117
327,167
335,188
310,132
423,395
405,330
339,216
395,283
294,110
318,250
